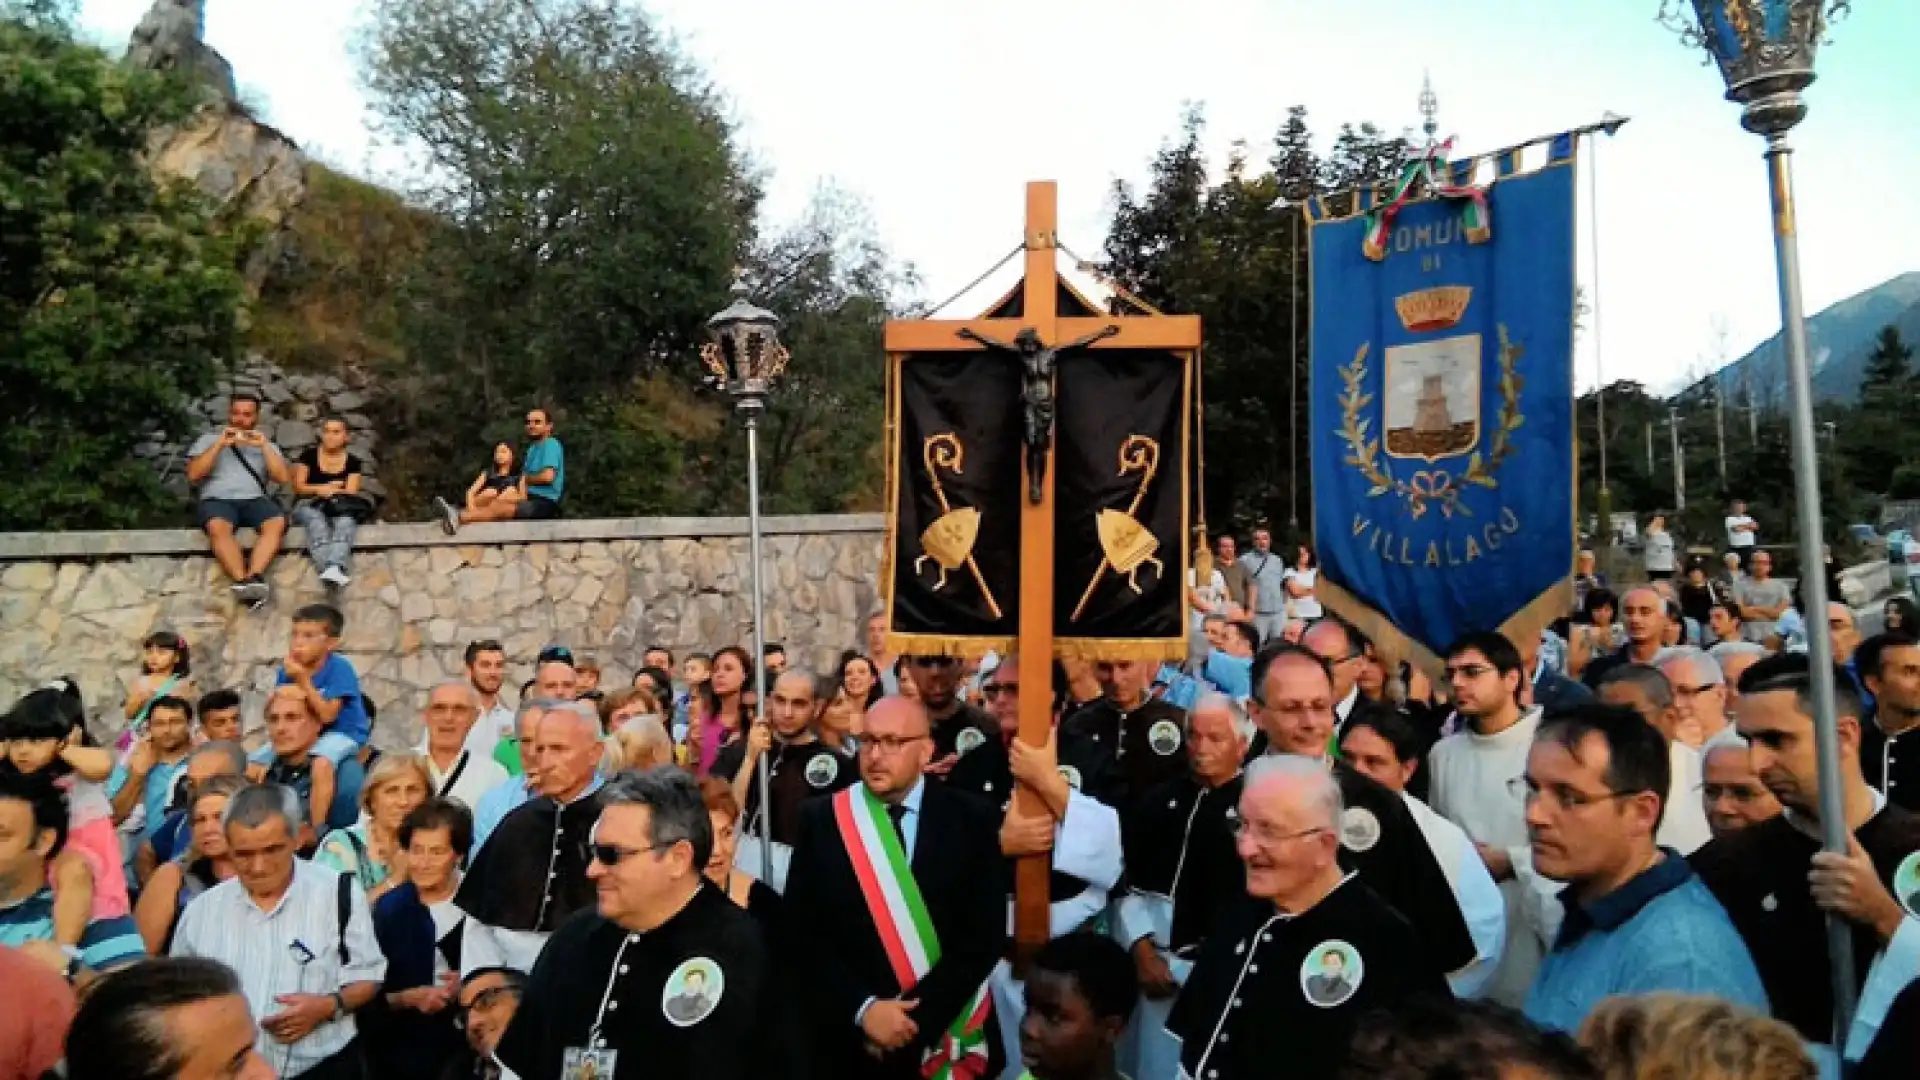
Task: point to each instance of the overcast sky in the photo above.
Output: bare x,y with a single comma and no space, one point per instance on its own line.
935,112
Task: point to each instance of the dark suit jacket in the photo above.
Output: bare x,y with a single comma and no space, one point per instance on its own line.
402,1042
957,864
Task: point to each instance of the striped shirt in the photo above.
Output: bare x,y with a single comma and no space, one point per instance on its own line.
269,950
104,945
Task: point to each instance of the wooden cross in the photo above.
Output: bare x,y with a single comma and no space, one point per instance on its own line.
1035,307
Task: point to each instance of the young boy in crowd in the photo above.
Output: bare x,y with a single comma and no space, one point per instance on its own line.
1080,995
219,712
586,669
328,682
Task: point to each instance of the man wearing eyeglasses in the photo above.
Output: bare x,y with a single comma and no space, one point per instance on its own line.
1778,886
1636,919
1732,792
530,874
1699,695
1282,981
1468,777
663,975
1378,837
486,1005
879,1004
1341,648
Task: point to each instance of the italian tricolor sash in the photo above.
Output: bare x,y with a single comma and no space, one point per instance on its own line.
906,929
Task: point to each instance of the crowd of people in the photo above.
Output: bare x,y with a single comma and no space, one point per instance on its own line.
1593,852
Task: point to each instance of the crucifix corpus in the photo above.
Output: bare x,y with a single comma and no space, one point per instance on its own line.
1029,326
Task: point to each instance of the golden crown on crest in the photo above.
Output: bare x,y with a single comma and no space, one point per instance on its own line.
1428,310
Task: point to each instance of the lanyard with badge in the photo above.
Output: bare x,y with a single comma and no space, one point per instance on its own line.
595,1061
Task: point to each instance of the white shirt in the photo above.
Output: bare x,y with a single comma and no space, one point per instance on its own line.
1308,606
1213,594
225,924
1474,890
492,726
1683,822
1739,538
479,775
1469,775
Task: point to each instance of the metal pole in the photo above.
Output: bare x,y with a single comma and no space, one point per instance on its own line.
751,410
1293,387
1679,466
1720,430
1834,833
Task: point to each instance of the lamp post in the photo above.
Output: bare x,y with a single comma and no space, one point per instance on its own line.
744,357
1765,50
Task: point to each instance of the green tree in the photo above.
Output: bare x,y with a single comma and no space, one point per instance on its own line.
1879,431
118,299
1234,252
596,207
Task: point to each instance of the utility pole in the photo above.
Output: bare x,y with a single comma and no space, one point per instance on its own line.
1833,456
1679,462
1649,448
1720,428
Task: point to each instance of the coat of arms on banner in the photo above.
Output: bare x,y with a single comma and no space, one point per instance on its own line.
1431,407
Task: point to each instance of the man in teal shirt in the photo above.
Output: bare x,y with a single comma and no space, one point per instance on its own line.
543,467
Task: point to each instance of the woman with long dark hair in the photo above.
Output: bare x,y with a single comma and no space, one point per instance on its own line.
724,710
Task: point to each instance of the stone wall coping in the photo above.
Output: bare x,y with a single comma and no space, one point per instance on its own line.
30,546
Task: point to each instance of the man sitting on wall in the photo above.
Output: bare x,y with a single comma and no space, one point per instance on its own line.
545,472
232,468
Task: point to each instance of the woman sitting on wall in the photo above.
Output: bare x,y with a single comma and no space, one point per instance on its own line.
326,479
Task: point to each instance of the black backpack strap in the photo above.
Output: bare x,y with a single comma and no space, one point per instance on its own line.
345,911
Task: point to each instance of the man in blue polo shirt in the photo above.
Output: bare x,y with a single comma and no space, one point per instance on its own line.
544,467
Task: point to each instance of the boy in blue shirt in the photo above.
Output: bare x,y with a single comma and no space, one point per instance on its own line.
327,679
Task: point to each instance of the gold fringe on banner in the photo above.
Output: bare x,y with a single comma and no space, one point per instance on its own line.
1521,626
962,648
1095,650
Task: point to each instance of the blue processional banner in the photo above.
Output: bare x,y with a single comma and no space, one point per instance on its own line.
1442,402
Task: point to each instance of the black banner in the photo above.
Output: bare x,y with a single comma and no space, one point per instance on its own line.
1120,505
953,574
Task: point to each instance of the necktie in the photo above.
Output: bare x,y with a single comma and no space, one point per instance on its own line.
898,814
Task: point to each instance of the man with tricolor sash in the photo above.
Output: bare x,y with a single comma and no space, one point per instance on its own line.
902,885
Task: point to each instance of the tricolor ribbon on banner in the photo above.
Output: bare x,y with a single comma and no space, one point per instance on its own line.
906,929
1433,169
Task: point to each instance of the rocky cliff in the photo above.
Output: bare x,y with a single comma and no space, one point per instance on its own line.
254,172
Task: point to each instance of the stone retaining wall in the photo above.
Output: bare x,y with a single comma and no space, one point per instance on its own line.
80,603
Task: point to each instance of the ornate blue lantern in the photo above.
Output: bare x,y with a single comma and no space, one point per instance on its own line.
1764,49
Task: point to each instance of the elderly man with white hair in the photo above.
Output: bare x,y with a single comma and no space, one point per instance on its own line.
531,874
1731,791
1288,975
1734,658
1183,874
456,771
1699,695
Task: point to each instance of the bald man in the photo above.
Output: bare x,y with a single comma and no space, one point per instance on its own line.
1286,979
1644,613
801,768
877,1003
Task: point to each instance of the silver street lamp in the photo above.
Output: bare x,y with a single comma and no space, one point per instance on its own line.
744,357
1765,51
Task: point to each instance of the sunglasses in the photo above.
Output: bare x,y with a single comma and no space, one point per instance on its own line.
611,855
485,999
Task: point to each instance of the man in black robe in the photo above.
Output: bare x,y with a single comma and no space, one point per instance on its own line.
1294,708
958,727
1143,733
531,874
1778,886
664,976
1889,748
1075,779
864,1023
801,767
1183,873
1281,983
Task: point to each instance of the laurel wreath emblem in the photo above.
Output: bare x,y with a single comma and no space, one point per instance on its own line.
1424,486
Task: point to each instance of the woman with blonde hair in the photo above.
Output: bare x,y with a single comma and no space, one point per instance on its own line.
1662,1036
371,851
205,863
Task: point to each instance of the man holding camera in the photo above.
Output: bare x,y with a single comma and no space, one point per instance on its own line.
232,468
